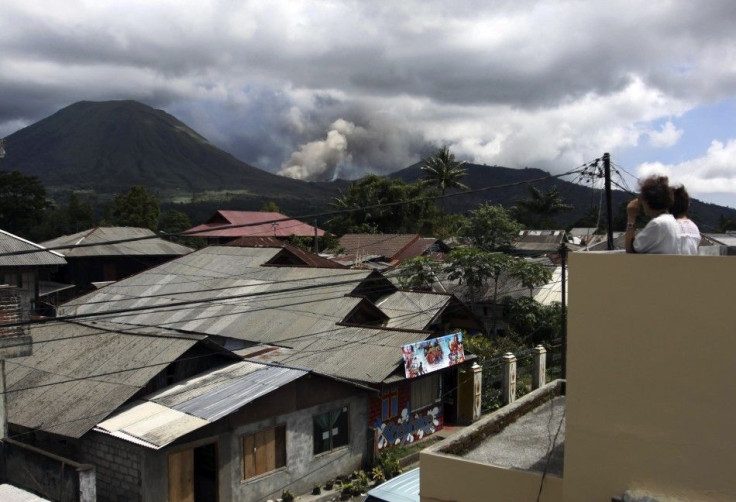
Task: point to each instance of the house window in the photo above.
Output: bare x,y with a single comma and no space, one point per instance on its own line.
264,451
331,430
389,404
425,391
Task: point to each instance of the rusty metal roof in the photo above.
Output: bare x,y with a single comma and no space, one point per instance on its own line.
164,416
220,225
38,255
148,245
79,374
388,246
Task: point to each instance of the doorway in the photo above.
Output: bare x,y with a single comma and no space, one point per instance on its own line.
193,474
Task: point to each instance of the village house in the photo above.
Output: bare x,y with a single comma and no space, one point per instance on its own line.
225,225
382,251
309,381
96,256
27,268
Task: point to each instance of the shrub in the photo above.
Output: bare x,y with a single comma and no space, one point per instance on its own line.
389,464
357,486
287,496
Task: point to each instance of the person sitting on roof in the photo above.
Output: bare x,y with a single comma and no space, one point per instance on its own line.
689,232
661,234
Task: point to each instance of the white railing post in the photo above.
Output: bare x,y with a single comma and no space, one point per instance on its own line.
477,390
87,484
509,378
539,372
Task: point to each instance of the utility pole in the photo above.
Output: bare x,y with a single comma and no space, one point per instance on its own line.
563,320
609,209
316,240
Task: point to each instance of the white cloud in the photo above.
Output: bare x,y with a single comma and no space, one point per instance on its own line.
715,172
667,136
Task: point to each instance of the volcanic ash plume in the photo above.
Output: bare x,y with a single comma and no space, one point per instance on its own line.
320,160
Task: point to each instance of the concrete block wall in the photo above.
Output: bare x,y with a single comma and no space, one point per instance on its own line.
304,468
10,311
118,465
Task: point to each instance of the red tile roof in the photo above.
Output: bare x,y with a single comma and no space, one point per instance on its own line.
253,224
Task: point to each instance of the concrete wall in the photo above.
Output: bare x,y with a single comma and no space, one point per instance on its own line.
303,468
462,480
118,465
650,377
475,481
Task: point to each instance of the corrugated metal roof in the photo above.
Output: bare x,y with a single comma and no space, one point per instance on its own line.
215,227
552,291
153,246
164,416
723,239
150,424
10,243
217,393
412,310
539,240
79,374
357,354
402,488
419,247
385,245
214,278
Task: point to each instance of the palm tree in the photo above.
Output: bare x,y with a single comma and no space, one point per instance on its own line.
540,209
443,172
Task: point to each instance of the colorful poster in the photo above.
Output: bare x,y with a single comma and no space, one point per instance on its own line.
434,354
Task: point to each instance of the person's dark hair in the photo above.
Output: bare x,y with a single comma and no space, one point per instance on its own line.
656,192
681,202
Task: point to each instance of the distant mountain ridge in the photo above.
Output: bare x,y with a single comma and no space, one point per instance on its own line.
107,147
582,197
110,146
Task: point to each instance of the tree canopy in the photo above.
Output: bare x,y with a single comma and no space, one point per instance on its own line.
490,228
22,202
540,209
530,274
136,208
443,172
419,273
410,216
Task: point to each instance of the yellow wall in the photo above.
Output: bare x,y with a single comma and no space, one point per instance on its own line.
651,377
449,478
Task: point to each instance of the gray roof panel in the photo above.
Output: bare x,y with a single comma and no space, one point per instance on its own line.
79,374
216,394
36,255
148,245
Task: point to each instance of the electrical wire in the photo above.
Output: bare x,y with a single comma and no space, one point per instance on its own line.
300,218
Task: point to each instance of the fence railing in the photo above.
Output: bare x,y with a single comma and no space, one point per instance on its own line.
510,376
46,474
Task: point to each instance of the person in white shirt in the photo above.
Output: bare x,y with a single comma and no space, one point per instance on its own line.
661,234
689,232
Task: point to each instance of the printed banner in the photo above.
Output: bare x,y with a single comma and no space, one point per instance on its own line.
431,355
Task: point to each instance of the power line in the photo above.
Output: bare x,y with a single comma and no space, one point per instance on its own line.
301,218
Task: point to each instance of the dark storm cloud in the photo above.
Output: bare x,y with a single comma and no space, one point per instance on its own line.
351,87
